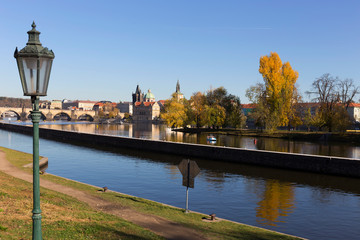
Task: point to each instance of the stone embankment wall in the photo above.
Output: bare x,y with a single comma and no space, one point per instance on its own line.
312,163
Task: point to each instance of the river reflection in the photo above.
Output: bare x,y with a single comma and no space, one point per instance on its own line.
304,204
277,200
161,132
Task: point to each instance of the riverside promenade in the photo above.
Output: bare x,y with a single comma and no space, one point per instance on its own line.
161,226
301,162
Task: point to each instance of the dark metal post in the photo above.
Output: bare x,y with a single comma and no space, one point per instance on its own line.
189,170
35,116
187,187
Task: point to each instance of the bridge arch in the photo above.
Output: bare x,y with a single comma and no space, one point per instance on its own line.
10,114
85,117
50,113
62,116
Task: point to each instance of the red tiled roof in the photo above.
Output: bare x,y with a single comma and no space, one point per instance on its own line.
354,105
249,105
309,104
87,101
305,104
146,104
314,104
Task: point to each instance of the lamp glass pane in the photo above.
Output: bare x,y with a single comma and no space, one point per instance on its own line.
45,68
22,74
30,74
36,75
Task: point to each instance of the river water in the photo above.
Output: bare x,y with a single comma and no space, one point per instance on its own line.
308,205
161,132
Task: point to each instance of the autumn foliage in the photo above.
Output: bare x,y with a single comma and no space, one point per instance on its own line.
280,91
214,109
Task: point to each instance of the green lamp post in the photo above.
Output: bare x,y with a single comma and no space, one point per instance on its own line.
34,64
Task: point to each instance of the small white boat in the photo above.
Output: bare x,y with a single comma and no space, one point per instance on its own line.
211,138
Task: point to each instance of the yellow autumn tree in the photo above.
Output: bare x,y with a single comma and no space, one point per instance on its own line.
197,109
174,112
279,79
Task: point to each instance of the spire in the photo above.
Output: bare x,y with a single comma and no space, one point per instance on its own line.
138,89
177,87
137,96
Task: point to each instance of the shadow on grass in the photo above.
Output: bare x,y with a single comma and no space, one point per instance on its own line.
104,230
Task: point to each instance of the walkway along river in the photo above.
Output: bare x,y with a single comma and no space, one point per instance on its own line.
305,204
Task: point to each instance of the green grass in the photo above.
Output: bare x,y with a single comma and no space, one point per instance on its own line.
63,217
67,218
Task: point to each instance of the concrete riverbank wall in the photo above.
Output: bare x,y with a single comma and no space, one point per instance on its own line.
302,162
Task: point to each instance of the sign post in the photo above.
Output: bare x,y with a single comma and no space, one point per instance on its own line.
189,169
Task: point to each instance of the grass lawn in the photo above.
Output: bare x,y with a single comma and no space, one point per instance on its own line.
66,218
63,217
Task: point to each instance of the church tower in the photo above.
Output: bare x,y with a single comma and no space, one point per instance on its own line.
177,93
177,87
137,96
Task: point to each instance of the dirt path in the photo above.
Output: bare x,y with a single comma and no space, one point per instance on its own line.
158,225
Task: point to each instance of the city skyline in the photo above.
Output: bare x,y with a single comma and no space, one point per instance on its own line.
102,51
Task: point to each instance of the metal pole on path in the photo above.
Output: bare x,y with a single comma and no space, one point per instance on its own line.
189,169
187,200
187,187
35,117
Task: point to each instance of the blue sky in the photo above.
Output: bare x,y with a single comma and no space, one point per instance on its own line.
103,49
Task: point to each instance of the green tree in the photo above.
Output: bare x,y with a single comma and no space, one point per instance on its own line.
295,111
114,113
215,115
234,115
307,119
196,109
126,115
219,98
341,119
215,109
216,96
318,120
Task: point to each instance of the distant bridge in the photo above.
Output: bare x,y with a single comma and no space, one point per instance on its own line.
48,114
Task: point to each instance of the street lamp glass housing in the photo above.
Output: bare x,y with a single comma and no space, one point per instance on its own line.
34,64
34,75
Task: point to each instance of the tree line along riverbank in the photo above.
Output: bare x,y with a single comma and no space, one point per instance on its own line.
347,137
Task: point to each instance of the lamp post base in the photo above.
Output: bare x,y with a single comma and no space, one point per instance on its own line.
37,233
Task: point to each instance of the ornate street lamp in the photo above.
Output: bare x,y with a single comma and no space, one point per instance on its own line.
34,63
